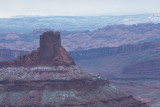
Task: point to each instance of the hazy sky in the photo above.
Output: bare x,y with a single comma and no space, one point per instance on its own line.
77,7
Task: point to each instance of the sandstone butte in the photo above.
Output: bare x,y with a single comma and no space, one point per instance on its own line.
48,77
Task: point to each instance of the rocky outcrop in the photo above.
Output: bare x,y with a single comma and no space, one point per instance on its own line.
48,77
89,92
49,53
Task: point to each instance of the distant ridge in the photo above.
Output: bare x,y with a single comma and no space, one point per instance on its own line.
109,36
74,23
109,51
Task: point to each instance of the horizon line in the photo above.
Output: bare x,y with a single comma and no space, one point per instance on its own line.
30,15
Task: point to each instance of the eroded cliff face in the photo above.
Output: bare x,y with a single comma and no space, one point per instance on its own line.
49,77
89,92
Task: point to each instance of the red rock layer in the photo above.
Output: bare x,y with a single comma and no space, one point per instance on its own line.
49,53
89,92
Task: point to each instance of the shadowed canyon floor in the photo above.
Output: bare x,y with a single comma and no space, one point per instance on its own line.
146,90
133,69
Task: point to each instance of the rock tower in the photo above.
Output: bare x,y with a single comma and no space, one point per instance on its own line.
50,53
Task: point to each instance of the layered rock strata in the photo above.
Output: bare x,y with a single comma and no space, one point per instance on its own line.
48,77
88,92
